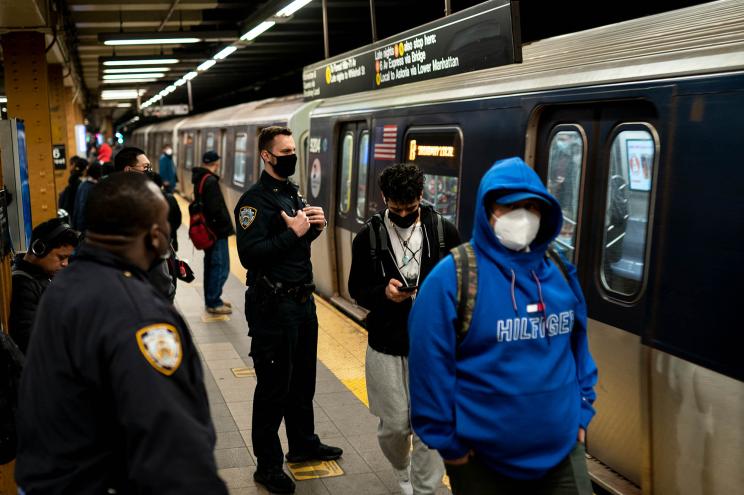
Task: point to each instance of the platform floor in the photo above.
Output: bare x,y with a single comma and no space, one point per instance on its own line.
341,415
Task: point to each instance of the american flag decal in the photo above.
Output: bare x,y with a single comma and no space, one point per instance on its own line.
386,138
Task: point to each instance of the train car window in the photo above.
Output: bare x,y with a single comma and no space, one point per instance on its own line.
565,165
437,153
210,142
241,158
362,171
347,162
626,218
188,148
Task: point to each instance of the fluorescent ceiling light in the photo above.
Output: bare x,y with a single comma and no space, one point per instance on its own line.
190,75
152,41
206,65
143,61
123,105
225,52
136,69
120,77
127,81
292,8
256,31
180,82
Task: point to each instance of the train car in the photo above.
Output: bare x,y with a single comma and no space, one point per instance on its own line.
635,128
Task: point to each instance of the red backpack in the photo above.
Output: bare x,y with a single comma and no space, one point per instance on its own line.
201,235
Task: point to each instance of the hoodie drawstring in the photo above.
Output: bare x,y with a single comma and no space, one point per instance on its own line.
514,297
542,303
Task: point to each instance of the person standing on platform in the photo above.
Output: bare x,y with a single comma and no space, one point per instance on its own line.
391,255
275,230
112,400
502,381
168,169
92,176
52,244
216,258
104,153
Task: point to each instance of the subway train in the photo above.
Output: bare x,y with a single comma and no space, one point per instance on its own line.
636,128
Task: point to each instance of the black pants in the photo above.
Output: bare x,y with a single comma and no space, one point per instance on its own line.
569,477
284,349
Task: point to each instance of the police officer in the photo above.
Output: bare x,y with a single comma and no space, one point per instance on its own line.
112,397
276,228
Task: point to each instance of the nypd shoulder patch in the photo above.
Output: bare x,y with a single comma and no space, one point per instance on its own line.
246,216
161,345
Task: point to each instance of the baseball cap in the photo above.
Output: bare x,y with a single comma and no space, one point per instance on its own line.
513,197
210,157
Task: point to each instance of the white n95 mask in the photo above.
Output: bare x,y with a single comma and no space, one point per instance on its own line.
517,229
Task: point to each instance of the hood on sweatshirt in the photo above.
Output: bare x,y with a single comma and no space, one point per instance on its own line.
508,176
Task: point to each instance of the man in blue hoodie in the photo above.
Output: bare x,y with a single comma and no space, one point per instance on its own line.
507,402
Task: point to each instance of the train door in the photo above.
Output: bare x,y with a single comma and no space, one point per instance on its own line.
599,161
351,196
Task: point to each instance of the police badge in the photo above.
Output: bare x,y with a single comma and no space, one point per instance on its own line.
161,346
247,216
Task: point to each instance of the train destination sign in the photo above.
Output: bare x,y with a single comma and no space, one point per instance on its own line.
483,36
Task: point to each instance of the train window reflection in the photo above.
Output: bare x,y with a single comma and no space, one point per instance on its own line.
241,158
188,145
362,169
436,151
347,159
565,162
626,217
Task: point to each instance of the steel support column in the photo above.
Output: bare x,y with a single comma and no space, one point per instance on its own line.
27,89
58,120
74,116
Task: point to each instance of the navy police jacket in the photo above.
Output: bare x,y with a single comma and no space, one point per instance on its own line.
112,394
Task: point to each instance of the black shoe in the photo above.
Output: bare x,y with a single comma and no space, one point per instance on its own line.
320,453
275,480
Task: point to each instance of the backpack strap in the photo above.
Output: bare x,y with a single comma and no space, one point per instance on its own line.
200,189
557,260
378,241
440,234
466,268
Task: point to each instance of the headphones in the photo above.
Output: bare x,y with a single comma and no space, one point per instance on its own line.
40,247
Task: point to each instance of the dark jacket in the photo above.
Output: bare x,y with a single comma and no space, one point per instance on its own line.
67,197
387,321
266,246
77,215
215,210
113,396
29,283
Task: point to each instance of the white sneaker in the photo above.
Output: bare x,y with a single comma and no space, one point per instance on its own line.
404,481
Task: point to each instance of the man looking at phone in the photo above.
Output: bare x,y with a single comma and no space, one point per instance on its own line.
391,256
275,228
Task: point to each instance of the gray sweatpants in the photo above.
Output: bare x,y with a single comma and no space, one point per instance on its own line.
389,400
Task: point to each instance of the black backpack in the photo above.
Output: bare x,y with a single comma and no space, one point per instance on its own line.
378,238
466,267
11,364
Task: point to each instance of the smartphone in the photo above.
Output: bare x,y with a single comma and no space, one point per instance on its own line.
409,288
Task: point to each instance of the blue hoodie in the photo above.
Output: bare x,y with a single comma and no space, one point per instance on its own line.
521,383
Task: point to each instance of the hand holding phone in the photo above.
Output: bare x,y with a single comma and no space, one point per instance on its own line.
408,288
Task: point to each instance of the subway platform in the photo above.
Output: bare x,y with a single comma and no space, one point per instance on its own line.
341,415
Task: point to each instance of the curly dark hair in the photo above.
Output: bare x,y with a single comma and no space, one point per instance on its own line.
403,183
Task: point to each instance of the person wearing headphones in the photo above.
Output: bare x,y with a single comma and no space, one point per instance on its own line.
52,244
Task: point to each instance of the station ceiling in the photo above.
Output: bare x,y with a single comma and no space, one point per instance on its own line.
269,65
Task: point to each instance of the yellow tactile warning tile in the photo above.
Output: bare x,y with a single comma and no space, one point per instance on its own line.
314,469
342,345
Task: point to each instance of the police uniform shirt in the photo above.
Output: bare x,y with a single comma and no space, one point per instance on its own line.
266,246
112,393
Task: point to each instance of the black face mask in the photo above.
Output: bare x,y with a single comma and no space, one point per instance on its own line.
403,222
285,164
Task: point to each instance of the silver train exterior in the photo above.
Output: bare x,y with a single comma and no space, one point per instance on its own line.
636,128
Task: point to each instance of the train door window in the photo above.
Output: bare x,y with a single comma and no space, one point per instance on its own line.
437,152
241,158
347,163
210,142
565,166
188,148
362,172
632,154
